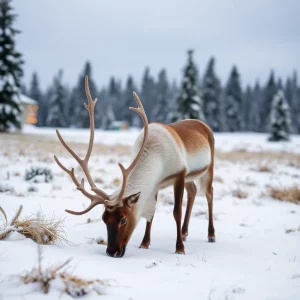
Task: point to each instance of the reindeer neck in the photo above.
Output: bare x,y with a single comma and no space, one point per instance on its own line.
144,178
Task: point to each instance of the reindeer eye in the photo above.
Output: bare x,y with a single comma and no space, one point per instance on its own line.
123,221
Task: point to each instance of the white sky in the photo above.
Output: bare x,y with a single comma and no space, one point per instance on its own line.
122,37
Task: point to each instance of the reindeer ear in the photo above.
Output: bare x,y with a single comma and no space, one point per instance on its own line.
132,199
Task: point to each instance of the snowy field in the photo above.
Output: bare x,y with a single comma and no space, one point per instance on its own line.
256,254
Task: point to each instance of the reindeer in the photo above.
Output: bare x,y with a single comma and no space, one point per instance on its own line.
175,154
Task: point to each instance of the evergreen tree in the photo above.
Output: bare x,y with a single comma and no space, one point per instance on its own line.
128,100
10,69
36,94
189,103
80,115
280,118
148,94
162,107
269,93
254,113
56,114
247,107
211,97
295,105
233,102
114,101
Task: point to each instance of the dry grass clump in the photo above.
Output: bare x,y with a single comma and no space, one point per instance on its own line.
73,285
239,193
289,194
290,230
264,168
40,230
42,277
218,179
76,286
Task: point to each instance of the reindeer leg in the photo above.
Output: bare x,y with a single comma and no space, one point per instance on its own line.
177,212
146,240
191,194
206,185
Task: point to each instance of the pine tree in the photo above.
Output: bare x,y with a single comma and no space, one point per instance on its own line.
128,100
56,114
189,103
247,107
254,113
211,97
114,93
280,118
79,115
10,69
162,107
295,105
233,102
36,94
265,108
148,94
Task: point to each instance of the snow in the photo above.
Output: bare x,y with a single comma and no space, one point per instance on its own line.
26,100
253,257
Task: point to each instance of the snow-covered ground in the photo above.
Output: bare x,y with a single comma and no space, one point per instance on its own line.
253,257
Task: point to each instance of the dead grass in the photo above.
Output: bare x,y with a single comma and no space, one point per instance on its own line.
290,230
290,159
218,179
264,168
73,285
239,193
288,194
41,230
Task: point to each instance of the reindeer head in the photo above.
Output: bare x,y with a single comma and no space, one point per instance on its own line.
119,213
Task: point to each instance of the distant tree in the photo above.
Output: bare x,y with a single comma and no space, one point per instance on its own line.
247,107
56,113
114,98
108,117
128,100
148,93
189,103
10,69
280,118
254,112
36,94
233,101
295,104
80,115
211,97
174,91
162,107
265,108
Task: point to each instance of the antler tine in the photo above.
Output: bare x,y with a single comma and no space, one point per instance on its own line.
95,199
125,172
84,162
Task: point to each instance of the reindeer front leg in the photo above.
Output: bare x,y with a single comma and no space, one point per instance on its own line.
177,212
146,240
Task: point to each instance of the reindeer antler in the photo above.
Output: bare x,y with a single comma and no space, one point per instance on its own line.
100,196
125,172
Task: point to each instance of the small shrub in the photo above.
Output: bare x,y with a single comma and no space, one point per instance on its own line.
32,189
240,193
5,188
40,230
290,194
38,174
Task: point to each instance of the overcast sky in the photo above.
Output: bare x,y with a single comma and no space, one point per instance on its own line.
122,37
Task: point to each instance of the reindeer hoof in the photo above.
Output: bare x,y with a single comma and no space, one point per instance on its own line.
211,239
179,252
145,245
